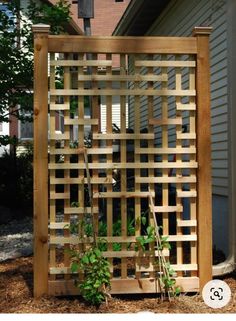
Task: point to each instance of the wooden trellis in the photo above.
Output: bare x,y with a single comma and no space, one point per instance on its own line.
167,77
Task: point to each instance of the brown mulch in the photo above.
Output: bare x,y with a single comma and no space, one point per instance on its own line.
16,297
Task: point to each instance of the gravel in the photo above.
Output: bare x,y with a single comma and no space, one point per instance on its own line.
16,239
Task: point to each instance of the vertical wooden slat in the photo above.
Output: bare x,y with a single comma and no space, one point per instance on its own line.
40,159
165,172
179,245
109,211
151,156
95,115
81,156
137,202
123,175
52,128
204,202
193,200
67,83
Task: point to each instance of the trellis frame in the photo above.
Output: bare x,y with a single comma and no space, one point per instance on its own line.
197,45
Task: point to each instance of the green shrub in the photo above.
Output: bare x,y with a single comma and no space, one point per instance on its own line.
16,181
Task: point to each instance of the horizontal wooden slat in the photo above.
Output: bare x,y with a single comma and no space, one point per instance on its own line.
168,121
81,63
186,193
164,63
181,238
186,135
184,267
180,106
119,78
122,194
170,179
185,223
80,210
79,180
115,239
72,151
168,45
59,106
139,268
186,150
191,164
176,267
124,286
54,136
79,121
76,240
122,92
67,240
59,196
59,226
123,136
112,254
168,209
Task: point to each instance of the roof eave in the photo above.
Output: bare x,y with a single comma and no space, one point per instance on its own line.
139,17
127,18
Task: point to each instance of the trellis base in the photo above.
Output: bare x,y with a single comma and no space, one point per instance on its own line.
119,286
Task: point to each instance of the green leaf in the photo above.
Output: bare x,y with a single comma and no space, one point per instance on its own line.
92,259
97,252
74,267
143,220
150,230
97,284
85,259
177,290
140,239
164,238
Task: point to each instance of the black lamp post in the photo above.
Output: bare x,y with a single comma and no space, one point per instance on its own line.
86,12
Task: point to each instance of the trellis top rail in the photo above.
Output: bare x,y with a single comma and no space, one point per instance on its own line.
144,45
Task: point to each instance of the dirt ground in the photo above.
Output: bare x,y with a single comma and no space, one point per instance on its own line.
16,297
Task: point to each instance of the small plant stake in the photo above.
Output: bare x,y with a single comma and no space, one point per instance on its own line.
166,272
91,261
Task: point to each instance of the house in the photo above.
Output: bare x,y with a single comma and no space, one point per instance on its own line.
178,18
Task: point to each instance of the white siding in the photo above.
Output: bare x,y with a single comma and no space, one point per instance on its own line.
115,113
179,19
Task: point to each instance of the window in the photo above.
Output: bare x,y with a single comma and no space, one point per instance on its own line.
4,8
119,0
25,129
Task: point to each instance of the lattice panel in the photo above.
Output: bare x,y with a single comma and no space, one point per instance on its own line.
158,152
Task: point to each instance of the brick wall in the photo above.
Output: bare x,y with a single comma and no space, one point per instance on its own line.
107,14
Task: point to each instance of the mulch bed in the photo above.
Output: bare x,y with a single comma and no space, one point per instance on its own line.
16,286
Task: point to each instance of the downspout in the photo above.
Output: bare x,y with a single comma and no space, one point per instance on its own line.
229,264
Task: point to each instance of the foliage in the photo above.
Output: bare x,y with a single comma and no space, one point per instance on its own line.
16,177
96,280
167,281
16,54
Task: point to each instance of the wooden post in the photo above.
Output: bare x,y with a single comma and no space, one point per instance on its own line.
40,159
203,126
